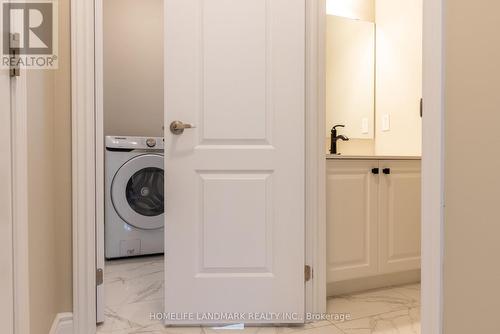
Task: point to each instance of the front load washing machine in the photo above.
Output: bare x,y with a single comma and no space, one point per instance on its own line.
134,198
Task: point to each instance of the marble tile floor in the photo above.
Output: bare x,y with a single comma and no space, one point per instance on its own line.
134,290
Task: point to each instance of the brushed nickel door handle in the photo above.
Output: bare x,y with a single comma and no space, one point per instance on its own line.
178,127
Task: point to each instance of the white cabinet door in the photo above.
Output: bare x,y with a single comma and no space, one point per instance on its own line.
399,215
352,230
234,184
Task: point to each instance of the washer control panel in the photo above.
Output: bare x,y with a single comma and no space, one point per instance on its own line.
135,143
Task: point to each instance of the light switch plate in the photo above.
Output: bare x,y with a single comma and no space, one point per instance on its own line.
386,122
364,125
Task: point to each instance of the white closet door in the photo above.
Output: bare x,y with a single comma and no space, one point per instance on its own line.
235,183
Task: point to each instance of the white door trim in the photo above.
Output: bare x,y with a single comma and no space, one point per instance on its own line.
99,148
6,219
85,129
315,156
83,165
16,227
433,168
20,234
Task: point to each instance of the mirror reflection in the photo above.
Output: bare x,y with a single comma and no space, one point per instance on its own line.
350,77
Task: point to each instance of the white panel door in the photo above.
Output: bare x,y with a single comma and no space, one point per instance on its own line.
399,215
352,228
235,183
6,269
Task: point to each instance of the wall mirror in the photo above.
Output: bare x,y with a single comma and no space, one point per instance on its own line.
350,76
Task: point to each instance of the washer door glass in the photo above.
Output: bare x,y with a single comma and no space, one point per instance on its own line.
137,192
145,192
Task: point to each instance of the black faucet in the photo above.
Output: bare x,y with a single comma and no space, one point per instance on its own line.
334,138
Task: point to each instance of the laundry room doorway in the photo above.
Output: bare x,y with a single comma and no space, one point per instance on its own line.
130,199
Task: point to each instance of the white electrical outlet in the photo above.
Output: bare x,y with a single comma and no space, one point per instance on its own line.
364,125
386,122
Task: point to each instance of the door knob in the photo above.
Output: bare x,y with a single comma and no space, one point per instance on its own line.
375,171
177,127
387,171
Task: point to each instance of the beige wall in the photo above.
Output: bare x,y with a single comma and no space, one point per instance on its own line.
133,67
472,163
399,76
49,186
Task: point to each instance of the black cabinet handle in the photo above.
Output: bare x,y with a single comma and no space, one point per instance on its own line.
375,171
386,171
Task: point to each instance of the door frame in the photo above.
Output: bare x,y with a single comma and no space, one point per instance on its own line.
19,93
6,219
88,163
18,240
433,91
18,237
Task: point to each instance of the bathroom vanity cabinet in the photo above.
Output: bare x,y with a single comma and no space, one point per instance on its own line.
373,216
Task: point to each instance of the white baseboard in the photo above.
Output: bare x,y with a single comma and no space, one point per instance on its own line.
63,324
373,282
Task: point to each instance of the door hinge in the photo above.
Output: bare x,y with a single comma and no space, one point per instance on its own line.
14,48
99,276
308,273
